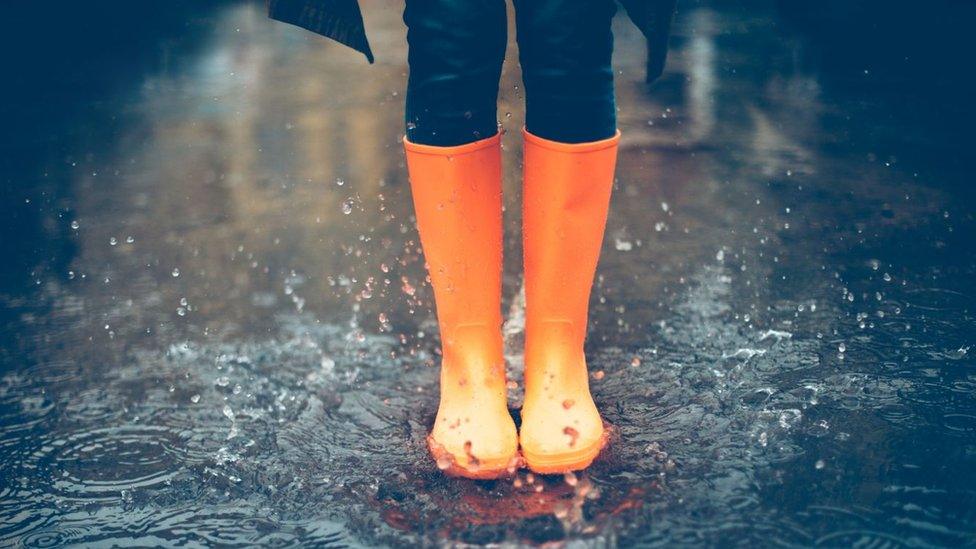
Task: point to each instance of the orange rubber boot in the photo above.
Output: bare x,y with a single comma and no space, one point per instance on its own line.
457,197
566,197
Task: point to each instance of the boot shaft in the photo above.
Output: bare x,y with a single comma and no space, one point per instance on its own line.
457,199
566,197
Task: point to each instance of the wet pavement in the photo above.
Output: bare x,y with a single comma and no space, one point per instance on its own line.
216,330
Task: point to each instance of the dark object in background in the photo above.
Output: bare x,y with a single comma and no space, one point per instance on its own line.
654,19
342,21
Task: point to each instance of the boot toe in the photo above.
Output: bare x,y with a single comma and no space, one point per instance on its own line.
555,439
480,450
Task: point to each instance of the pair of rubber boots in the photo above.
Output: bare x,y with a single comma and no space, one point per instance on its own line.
457,195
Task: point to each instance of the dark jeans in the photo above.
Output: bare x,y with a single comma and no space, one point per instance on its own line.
456,53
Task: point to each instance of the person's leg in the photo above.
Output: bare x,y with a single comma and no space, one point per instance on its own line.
454,161
456,49
570,153
565,47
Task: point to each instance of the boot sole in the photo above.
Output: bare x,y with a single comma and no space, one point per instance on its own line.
566,462
492,468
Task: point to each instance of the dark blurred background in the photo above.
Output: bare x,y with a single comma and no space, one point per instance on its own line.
64,62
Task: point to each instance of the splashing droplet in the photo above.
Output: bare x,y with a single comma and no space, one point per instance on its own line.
623,245
571,479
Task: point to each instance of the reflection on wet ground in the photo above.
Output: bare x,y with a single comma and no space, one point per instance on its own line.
227,337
